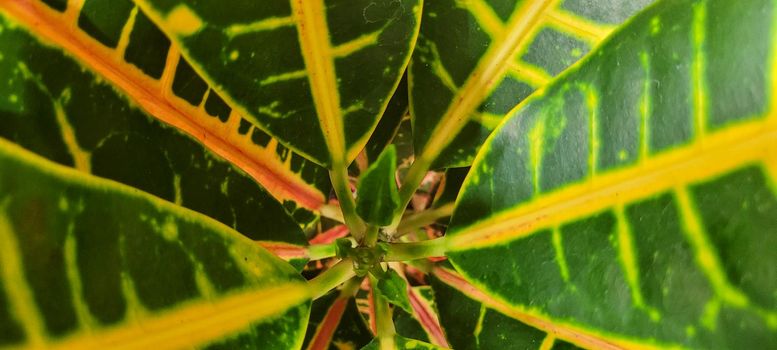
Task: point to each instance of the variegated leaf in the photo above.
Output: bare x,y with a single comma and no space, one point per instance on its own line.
389,123
476,59
472,320
335,323
316,74
116,39
72,276
54,106
634,198
377,188
422,323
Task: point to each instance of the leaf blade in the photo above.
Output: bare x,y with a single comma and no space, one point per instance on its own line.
524,323
423,323
68,114
336,320
389,123
520,47
287,176
609,187
393,288
320,46
60,205
470,324
378,194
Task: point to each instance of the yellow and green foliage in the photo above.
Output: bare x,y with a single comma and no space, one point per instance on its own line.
388,174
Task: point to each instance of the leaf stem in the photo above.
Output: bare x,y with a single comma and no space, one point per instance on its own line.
321,251
339,178
416,250
351,287
422,218
424,265
330,279
372,236
415,175
383,319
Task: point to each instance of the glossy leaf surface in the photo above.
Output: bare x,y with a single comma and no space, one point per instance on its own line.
120,44
449,187
316,74
393,288
477,59
475,320
389,123
73,276
408,326
634,198
60,110
378,195
469,323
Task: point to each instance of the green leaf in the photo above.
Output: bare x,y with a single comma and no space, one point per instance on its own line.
378,195
422,323
408,326
316,75
470,324
634,198
121,45
474,320
399,343
403,140
91,263
388,126
459,92
562,345
58,109
449,187
336,321
393,288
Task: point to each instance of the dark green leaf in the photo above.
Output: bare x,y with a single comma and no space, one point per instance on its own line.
91,263
116,40
57,108
389,123
422,323
461,89
318,75
378,195
450,186
408,326
471,325
635,196
393,288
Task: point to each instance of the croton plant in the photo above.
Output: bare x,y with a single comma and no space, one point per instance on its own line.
388,174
